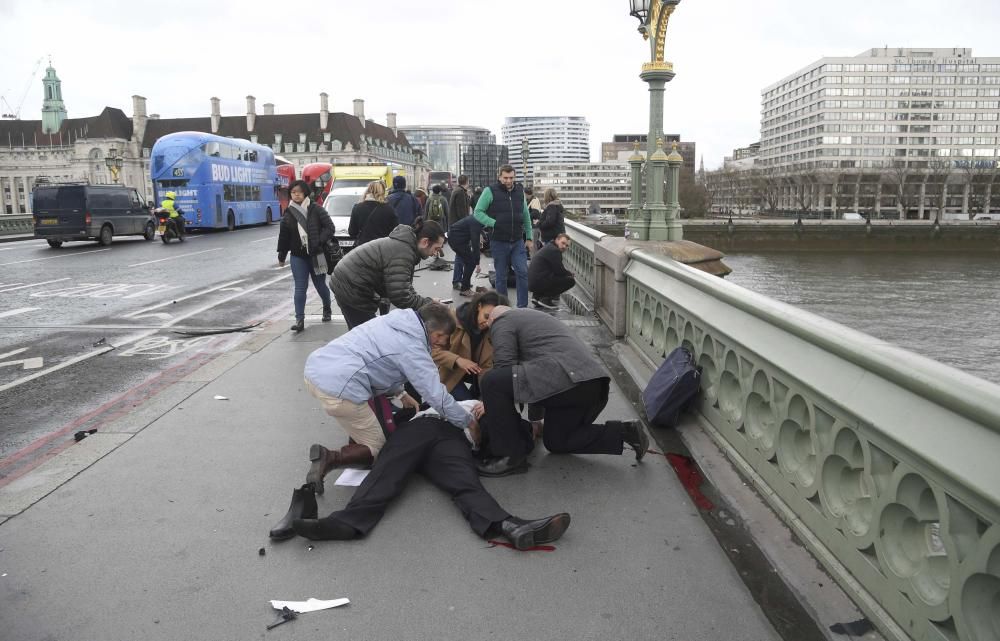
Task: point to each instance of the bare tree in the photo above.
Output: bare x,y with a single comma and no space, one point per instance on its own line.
938,174
804,183
766,188
899,178
979,175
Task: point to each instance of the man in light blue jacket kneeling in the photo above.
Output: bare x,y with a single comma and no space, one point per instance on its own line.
377,358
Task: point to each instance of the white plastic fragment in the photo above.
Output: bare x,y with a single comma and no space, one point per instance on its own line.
312,605
221,398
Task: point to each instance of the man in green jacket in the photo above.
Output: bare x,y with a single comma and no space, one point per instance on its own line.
502,208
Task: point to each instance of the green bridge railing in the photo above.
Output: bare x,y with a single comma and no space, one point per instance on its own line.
885,463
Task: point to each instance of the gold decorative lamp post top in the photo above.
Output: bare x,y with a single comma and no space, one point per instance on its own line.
636,156
674,156
653,16
659,155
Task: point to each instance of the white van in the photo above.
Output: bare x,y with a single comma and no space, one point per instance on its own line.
853,215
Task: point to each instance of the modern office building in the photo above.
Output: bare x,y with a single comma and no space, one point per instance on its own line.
889,129
551,139
481,162
622,145
444,144
587,188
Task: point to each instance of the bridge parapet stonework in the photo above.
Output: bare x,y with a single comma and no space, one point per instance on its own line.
884,463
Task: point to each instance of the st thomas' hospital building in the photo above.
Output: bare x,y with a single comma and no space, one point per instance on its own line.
61,149
890,132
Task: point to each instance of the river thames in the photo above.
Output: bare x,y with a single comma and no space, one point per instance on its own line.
943,306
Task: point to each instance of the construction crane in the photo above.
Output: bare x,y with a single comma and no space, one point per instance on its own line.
15,113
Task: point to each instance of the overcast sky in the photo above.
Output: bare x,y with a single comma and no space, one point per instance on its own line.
469,63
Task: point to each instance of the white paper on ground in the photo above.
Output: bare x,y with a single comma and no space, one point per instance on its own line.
221,398
312,605
351,477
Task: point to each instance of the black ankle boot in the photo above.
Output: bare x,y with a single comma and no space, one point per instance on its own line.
303,507
327,314
300,324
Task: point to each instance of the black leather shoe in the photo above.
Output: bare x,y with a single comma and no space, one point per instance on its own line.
635,436
300,324
325,529
503,466
527,534
327,314
303,507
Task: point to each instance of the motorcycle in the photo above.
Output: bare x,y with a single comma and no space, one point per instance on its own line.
167,227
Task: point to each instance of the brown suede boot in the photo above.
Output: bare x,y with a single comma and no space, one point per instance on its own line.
324,460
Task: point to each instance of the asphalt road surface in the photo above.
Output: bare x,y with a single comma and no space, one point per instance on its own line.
83,327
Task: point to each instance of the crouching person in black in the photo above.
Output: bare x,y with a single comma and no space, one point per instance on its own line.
440,452
538,361
548,278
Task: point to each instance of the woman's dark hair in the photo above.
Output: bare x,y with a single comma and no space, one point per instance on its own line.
301,184
489,297
427,229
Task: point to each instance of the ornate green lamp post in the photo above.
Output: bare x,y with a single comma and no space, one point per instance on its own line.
653,16
636,228
674,162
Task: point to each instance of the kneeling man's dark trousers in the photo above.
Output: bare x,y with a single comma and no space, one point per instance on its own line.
569,418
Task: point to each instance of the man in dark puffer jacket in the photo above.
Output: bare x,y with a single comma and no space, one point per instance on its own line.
383,268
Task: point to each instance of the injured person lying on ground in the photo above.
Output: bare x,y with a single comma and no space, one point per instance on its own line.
442,454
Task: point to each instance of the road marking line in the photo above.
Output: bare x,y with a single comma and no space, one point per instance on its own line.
34,260
14,353
44,282
150,262
176,300
260,240
15,312
131,339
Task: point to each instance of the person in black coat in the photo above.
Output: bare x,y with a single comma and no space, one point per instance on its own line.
463,238
552,221
372,218
306,243
548,278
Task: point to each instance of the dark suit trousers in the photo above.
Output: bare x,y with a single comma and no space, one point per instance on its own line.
569,421
440,452
569,418
553,287
503,432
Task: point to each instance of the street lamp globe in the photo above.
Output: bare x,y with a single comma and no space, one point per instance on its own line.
640,10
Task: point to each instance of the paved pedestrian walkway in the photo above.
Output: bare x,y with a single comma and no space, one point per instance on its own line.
156,528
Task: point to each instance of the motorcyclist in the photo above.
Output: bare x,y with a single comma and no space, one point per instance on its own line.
175,213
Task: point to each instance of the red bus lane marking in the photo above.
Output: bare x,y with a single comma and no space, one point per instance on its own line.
164,378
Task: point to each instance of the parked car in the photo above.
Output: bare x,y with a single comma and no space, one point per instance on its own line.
853,215
89,212
994,217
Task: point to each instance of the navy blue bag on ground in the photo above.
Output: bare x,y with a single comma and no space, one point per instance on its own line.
673,386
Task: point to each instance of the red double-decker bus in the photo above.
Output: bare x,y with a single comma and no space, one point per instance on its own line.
320,178
285,175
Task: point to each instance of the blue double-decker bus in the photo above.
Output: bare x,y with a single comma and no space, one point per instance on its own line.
219,182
